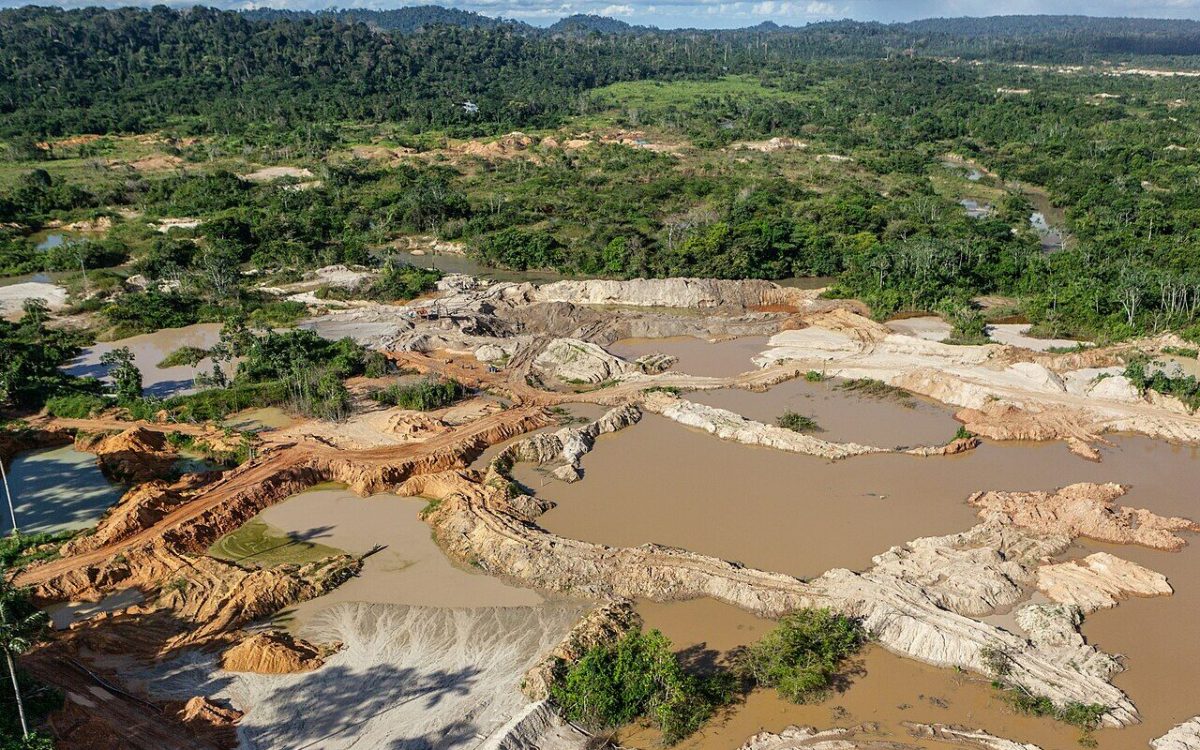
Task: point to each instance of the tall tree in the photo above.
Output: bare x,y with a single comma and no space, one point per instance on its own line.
21,625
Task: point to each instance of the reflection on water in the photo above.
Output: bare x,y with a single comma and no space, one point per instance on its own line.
56,490
408,567
148,350
50,240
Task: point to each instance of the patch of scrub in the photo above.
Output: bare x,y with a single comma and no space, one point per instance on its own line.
879,688
64,614
697,356
261,545
407,677
57,489
148,350
404,566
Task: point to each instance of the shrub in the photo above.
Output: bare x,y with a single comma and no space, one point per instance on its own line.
962,433
790,420
875,389
638,676
813,376
800,657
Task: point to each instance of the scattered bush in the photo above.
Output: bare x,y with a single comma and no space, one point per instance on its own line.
962,433
1186,388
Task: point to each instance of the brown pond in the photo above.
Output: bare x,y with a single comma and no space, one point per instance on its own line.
408,567
697,356
661,482
841,415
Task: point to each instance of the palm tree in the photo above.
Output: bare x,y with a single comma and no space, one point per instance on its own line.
21,625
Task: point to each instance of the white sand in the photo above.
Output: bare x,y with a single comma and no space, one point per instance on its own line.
13,296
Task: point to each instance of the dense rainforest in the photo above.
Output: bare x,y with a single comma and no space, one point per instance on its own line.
393,125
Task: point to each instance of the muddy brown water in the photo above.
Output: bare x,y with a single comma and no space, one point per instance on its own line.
841,415
661,482
409,568
697,356
151,348
877,686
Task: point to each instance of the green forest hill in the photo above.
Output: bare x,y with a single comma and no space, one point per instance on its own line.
836,150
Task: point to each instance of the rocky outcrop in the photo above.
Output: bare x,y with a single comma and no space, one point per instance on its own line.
272,653
867,737
139,508
212,723
966,738
581,362
727,425
603,625
1055,628
1004,392
205,598
677,292
1099,581
565,448
810,738
537,726
1086,510
1186,736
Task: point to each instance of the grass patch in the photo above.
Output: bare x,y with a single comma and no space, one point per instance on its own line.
259,544
184,355
790,420
18,550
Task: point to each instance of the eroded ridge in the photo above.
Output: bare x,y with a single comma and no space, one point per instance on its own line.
918,600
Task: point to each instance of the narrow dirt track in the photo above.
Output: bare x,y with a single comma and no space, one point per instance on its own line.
456,446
